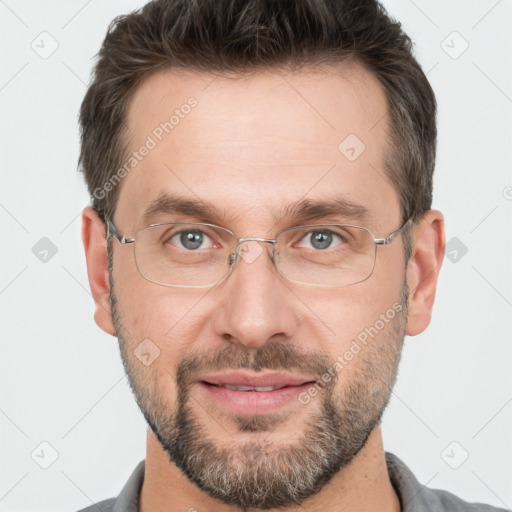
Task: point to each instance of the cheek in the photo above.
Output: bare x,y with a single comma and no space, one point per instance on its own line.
344,314
158,320
143,306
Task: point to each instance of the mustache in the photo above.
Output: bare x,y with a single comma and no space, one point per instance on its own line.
272,356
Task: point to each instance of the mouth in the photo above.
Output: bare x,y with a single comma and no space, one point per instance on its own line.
250,394
247,388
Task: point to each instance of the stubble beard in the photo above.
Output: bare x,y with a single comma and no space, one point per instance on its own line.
261,474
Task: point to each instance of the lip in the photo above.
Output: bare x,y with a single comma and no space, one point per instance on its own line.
237,378
254,402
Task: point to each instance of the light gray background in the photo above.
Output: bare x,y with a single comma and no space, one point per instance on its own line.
62,381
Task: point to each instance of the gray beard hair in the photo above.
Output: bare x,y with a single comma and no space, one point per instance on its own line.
257,474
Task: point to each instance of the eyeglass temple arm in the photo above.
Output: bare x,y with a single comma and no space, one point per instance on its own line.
113,231
389,239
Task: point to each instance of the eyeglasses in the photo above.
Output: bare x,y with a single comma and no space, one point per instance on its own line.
201,255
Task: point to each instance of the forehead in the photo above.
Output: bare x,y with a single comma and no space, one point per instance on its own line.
255,143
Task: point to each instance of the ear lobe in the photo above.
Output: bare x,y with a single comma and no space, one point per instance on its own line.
423,270
95,246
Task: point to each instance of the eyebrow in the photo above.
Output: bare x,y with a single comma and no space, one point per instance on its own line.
303,210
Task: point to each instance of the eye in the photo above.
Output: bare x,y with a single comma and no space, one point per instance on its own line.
190,239
321,239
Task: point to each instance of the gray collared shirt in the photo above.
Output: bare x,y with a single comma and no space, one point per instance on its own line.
413,496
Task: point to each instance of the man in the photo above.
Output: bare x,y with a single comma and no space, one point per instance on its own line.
260,241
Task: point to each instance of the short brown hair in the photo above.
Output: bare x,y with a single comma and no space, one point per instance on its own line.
237,36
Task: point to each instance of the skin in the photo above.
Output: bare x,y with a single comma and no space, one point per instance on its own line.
281,129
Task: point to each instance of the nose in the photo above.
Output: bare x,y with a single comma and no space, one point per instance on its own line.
256,303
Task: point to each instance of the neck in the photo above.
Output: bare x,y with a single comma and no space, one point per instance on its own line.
362,486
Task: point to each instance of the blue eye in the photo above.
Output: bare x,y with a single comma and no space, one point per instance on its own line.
190,239
321,238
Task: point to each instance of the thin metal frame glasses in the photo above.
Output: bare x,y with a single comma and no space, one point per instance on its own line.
349,262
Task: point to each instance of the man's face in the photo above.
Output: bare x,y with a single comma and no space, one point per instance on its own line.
251,147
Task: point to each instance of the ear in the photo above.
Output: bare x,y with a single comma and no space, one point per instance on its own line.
423,269
94,240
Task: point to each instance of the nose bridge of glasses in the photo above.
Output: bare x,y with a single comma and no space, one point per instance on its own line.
250,252
255,239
